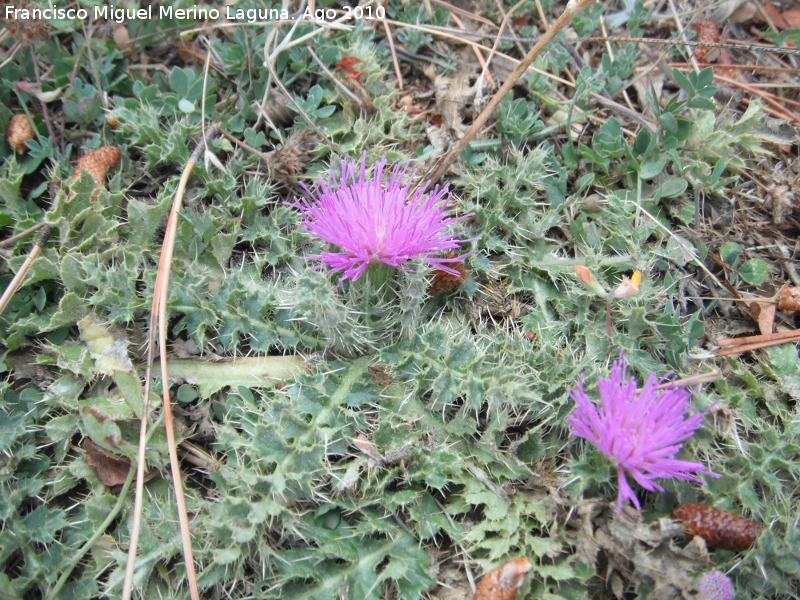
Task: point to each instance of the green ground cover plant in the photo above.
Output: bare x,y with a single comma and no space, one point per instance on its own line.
367,437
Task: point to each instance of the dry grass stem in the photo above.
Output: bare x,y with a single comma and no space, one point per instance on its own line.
21,234
159,317
731,346
566,17
392,50
16,282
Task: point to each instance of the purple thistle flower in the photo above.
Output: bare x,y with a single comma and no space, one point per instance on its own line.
714,586
640,431
371,222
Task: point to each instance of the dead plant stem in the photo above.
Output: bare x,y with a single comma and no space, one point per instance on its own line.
773,340
393,52
503,23
21,234
751,339
572,10
16,282
159,316
62,580
298,108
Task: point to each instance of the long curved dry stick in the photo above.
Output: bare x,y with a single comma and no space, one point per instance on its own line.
133,546
21,235
158,316
506,17
572,10
12,288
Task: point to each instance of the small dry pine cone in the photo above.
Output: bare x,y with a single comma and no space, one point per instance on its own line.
505,581
20,130
706,32
291,158
97,163
789,298
720,529
442,282
727,72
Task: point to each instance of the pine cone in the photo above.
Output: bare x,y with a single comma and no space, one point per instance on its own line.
720,529
442,282
20,130
504,582
706,32
97,163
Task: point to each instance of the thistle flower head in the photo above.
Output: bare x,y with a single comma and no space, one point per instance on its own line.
641,431
370,221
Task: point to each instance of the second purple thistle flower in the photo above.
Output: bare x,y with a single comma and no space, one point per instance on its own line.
641,431
372,222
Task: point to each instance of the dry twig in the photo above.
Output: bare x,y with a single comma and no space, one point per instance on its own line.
158,317
730,346
21,234
16,282
572,10
396,63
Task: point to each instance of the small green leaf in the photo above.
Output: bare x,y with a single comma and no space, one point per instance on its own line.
705,77
671,188
729,253
683,81
669,122
254,139
561,572
186,106
222,246
651,168
131,388
719,169
226,556
755,271
642,141
701,103
187,394
62,428
43,523
106,433
71,308
179,80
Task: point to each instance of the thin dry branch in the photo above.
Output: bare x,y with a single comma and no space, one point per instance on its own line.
133,546
271,68
730,346
682,34
463,37
158,316
12,288
21,234
395,62
750,339
464,13
503,24
481,61
572,10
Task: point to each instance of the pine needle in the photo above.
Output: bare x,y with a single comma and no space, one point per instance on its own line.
158,317
572,10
